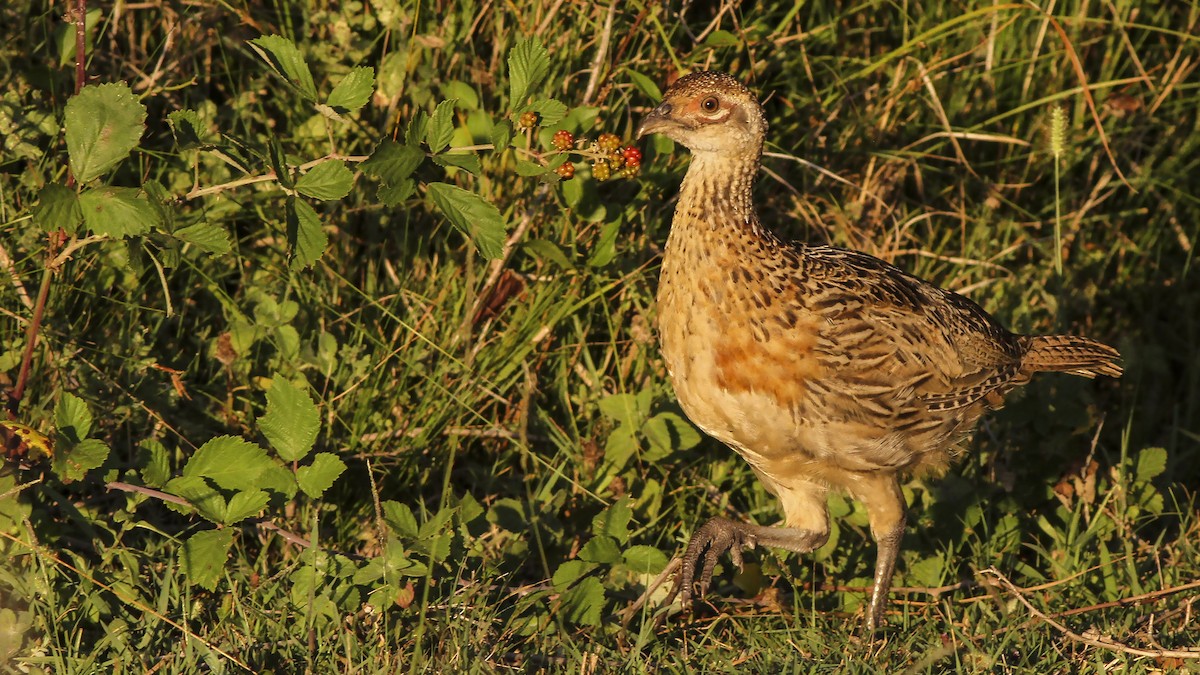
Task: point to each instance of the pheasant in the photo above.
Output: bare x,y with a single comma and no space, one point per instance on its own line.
824,368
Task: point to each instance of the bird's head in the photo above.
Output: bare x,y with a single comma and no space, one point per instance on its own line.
709,112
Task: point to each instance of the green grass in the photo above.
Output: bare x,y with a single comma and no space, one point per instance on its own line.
538,445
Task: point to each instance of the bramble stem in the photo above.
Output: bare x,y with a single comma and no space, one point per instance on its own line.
55,239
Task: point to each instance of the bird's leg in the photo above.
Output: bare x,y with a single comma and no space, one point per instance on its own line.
885,509
721,534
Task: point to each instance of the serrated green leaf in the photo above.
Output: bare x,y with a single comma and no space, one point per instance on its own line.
501,135
584,603
569,572
160,199
280,480
528,168
528,65
437,547
231,462
614,521
469,508
117,211
623,408
328,180
189,130
73,464
400,518
397,562
645,559
391,195
389,567
204,555
206,499
1151,463
474,216
550,111
291,421
461,160
666,433
392,162
353,91
601,550
206,237
619,448
306,238
278,160
155,463
415,133
103,125
58,206
437,524
287,340
441,126
928,572
508,514
317,477
245,504
72,418
285,58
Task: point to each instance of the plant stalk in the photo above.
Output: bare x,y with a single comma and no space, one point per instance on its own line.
56,239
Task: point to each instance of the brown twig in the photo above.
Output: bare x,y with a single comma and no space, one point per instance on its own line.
288,536
1085,639
149,492
653,586
1130,601
264,525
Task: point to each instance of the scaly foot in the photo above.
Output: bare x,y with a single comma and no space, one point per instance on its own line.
714,537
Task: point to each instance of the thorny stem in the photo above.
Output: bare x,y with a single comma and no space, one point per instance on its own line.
56,239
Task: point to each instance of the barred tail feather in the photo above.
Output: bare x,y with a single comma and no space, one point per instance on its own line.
1070,354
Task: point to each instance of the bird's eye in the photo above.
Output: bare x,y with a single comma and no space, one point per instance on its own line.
710,104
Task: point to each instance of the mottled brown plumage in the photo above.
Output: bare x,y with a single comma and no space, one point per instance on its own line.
824,368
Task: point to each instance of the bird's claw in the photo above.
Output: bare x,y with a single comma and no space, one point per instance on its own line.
715,537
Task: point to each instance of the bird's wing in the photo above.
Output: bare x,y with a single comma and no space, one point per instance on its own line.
889,332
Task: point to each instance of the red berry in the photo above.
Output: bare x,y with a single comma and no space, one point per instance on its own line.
633,156
528,120
566,171
563,140
609,142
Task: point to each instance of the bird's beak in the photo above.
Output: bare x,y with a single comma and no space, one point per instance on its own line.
656,120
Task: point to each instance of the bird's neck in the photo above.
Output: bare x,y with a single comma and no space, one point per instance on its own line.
717,192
